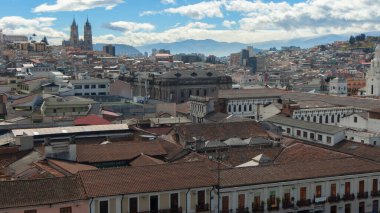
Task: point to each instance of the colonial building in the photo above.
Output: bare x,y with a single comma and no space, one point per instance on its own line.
373,75
74,41
178,86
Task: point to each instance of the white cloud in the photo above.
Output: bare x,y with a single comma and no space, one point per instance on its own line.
228,24
76,5
41,26
316,16
168,1
130,26
201,10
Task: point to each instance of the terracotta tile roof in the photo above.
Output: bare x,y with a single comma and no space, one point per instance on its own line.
220,131
46,168
158,130
145,160
22,193
299,152
130,180
296,171
24,100
359,150
93,153
240,155
70,167
90,120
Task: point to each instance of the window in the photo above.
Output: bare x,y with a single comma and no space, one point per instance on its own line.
65,210
303,193
320,137
30,211
333,209
361,186
225,204
174,201
347,187
312,136
78,87
74,110
328,139
374,185
154,203
78,94
241,201
305,134
93,93
102,86
201,198
93,86
288,130
347,208
133,205
318,191
86,93
355,119
272,199
298,132
375,206
103,206
102,93
333,190
87,86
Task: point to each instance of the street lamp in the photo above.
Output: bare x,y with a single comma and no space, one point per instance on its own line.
219,157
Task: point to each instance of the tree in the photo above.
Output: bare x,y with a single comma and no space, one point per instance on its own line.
352,40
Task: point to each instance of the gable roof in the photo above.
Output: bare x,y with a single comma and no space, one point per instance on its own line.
155,178
220,131
22,193
91,120
94,153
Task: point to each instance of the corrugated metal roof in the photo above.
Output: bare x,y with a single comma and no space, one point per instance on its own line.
69,129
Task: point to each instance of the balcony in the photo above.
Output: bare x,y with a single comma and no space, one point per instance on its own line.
362,195
172,210
242,210
287,204
226,211
319,200
333,198
348,197
256,207
302,203
202,208
375,193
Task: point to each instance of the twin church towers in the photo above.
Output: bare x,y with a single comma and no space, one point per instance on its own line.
86,43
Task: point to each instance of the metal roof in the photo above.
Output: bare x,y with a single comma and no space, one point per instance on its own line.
69,129
322,128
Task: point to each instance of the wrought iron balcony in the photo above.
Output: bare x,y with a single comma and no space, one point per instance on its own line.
202,207
258,207
362,195
302,203
375,193
242,210
348,197
287,204
333,198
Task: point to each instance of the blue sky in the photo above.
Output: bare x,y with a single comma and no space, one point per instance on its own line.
139,22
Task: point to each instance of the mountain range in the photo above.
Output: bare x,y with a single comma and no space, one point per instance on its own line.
212,47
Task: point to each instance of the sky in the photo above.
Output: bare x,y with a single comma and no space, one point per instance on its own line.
140,22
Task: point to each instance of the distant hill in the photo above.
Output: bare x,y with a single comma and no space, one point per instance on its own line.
207,47
120,49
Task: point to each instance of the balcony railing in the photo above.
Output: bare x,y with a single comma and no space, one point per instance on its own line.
375,193
256,207
333,198
287,204
202,207
242,210
348,196
362,195
226,211
171,210
273,208
302,203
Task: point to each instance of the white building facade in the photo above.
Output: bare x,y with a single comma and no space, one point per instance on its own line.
373,75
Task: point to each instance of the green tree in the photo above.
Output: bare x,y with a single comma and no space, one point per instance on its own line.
352,40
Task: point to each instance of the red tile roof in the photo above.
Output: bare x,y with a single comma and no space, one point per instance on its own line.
94,153
156,178
220,131
70,167
90,120
296,171
145,160
23,193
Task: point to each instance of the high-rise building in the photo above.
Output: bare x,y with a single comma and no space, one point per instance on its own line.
87,36
74,35
109,49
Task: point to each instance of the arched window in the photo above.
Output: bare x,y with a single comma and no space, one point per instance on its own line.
338,118
327,119
239,108
245,108
250,107
315,119
229,108
234,108
332,119
308,118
